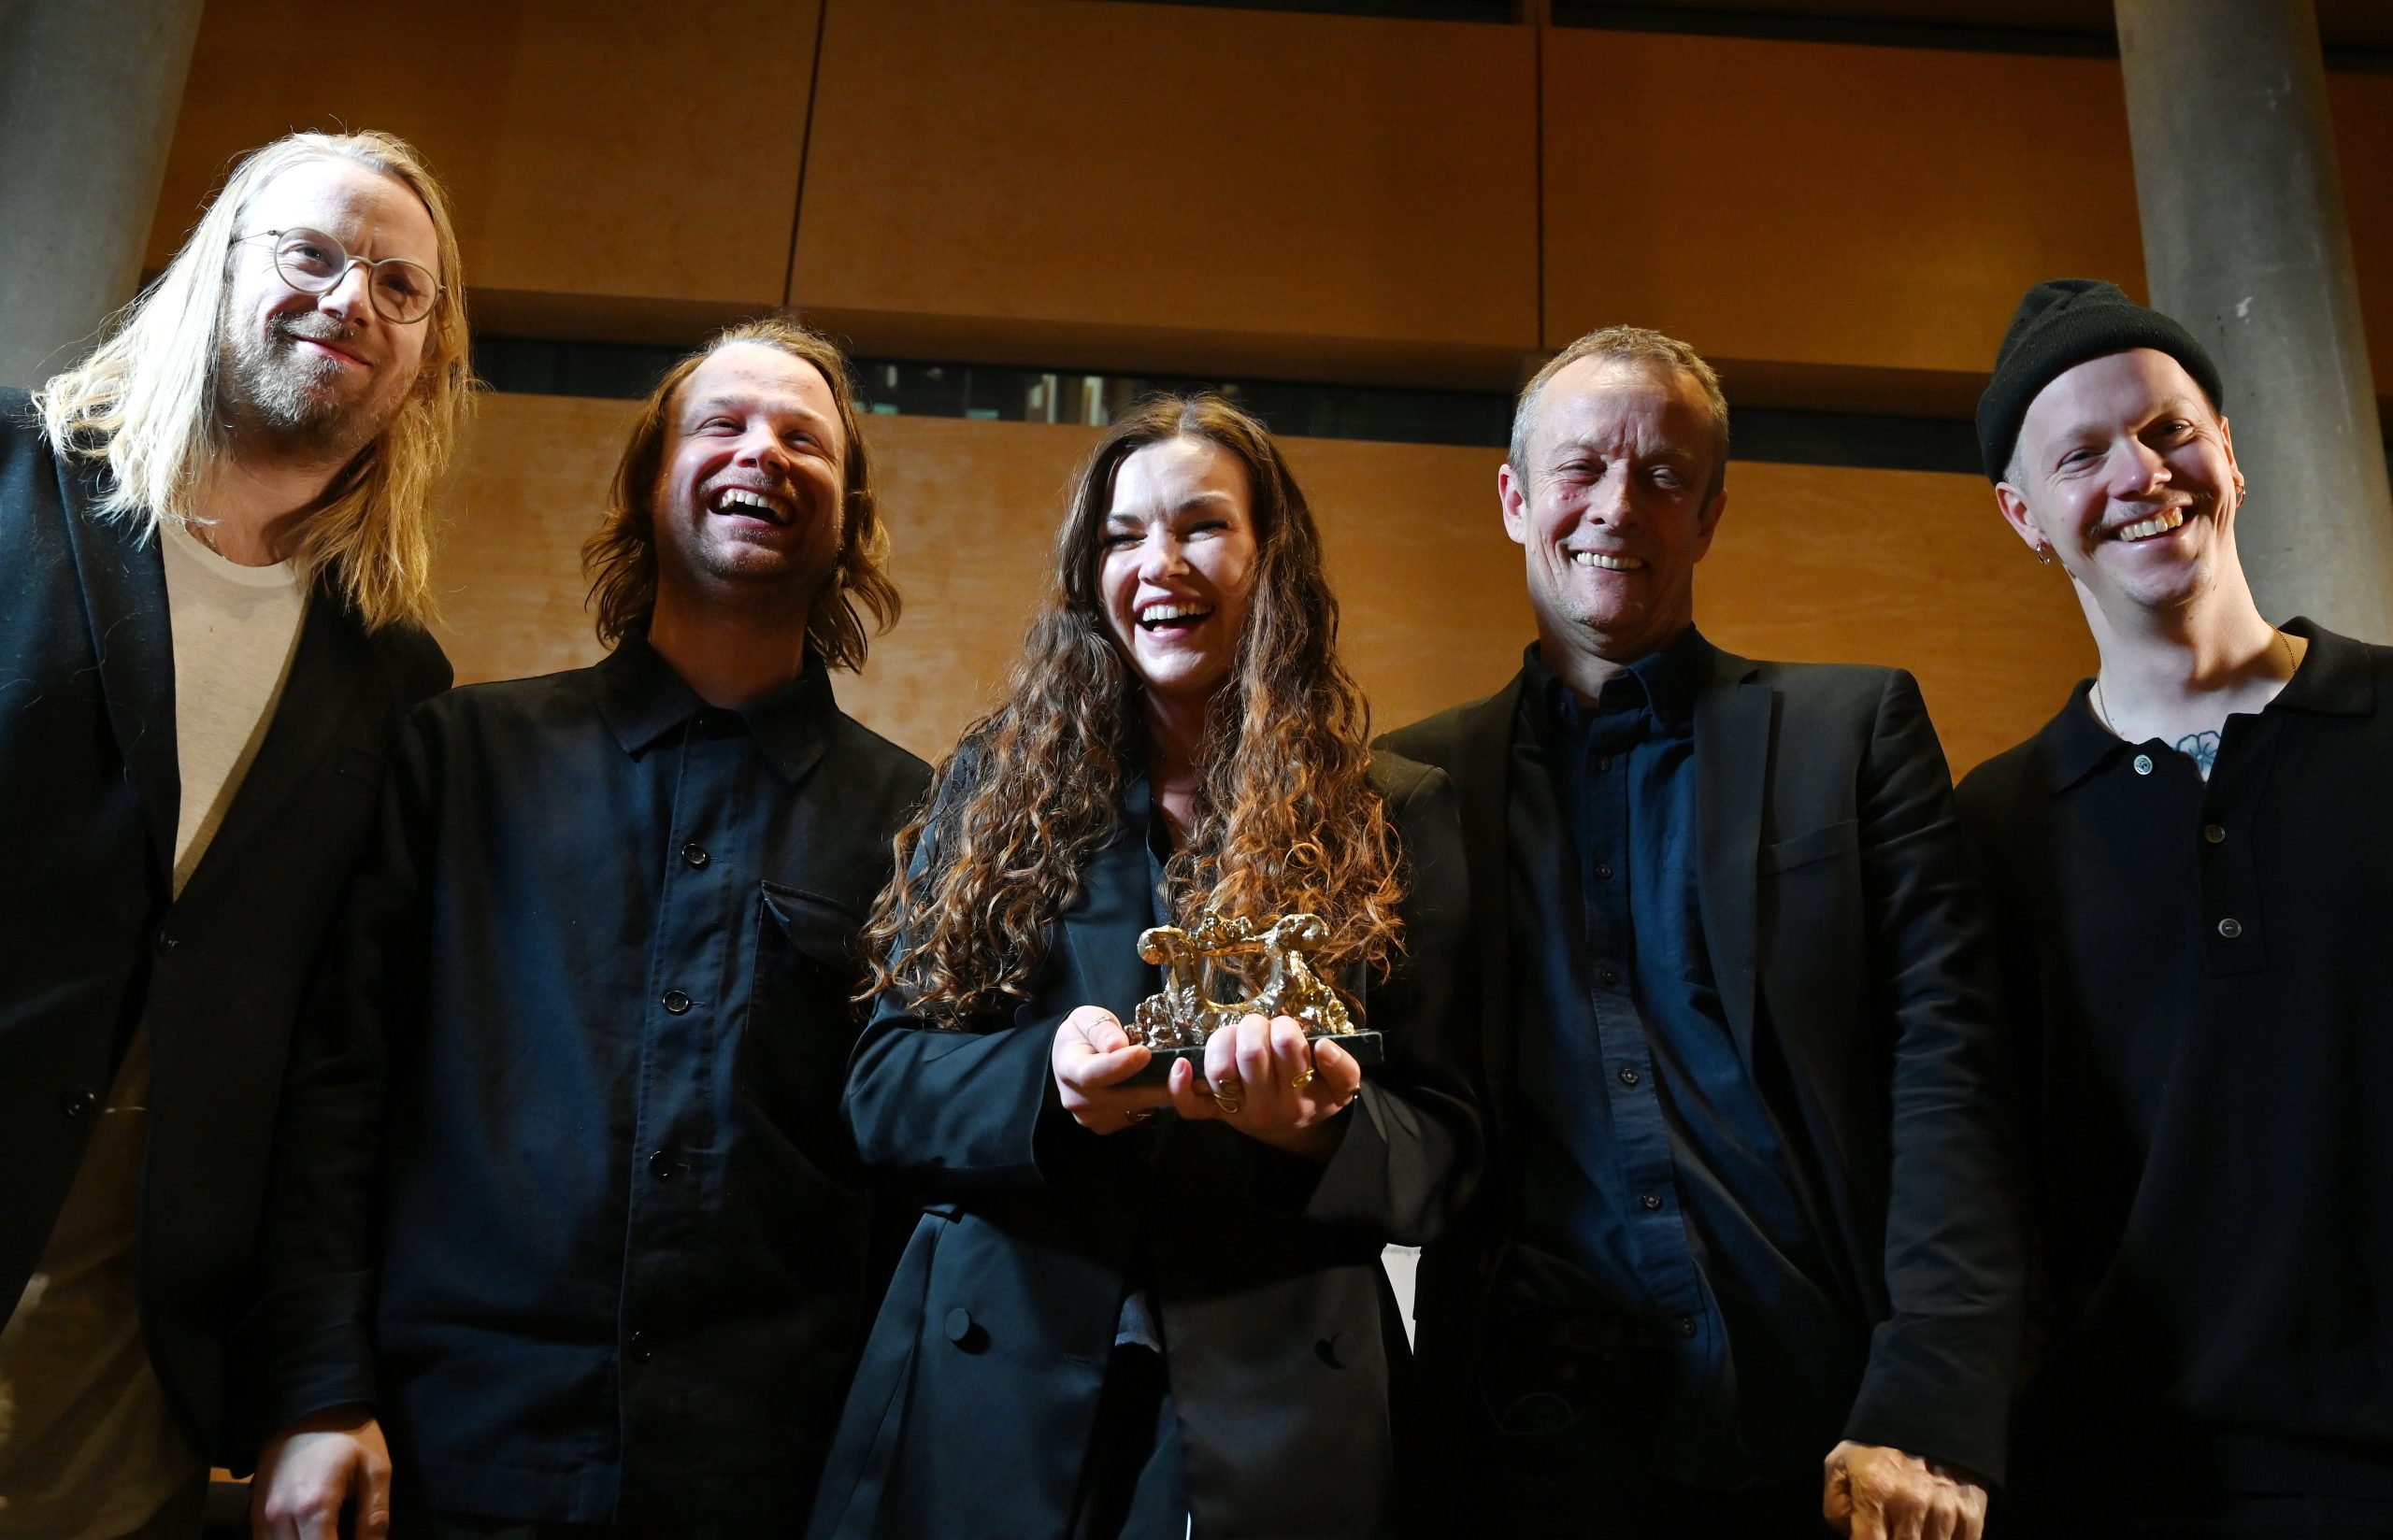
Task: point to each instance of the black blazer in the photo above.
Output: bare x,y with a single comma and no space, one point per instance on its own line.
1840,917
90,945
974,1406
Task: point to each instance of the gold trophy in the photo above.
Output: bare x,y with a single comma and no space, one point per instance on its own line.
1267,961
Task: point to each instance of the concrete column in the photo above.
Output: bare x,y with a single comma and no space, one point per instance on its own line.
89,90
2245,243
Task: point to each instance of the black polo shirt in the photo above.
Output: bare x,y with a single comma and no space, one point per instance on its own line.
2199,981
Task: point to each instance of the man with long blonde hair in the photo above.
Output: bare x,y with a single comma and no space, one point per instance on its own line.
564,1227
214,558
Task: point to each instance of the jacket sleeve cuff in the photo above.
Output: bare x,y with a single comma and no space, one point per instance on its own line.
302,1350
1927,1393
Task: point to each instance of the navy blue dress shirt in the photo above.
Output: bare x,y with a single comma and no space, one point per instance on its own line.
1653,1159
562,1190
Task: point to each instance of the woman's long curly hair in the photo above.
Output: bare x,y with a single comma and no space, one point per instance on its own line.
1285,820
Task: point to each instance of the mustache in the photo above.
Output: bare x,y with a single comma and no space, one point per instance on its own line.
313,326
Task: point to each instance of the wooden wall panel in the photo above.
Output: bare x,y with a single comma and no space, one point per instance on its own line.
1897,567
1166,188
1169,186
1911,568
1805,212
1429,590
526,492
2362,105
972,510
594,149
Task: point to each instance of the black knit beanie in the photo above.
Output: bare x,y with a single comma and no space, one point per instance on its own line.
2059,326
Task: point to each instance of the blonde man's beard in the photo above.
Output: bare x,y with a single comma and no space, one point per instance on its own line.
269,388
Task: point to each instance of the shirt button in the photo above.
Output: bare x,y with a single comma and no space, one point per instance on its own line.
166,945
1603,762
676,1002
2231,927
2213,834
1629,1077
641,1351
1652,1200
1607,977
1686,1326
660,1166
1603,871
692,854
77,1101
2143,764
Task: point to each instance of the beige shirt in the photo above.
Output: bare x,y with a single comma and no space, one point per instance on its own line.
89,1448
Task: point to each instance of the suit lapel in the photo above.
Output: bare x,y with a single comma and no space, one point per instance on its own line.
332,663
124,597
1101,929
1482,777
1732,717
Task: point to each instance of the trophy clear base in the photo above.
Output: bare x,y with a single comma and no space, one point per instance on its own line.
1367,1047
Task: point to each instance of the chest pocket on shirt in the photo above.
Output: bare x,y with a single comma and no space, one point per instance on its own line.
801,1024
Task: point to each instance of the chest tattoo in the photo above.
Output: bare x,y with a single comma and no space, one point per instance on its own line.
2202,749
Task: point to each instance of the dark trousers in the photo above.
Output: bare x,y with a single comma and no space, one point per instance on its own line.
1579,1480
2238,1516
1563,1439
460,1526
1136,1483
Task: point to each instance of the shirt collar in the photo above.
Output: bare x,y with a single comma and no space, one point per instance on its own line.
2333,679
643,699
2076,745
1663,681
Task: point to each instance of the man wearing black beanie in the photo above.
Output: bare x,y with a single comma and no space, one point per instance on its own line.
2188,872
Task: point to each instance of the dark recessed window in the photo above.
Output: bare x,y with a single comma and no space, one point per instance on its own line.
1375,413
620,371
1855,439
1414,10
1007,393
1002,393
1968,29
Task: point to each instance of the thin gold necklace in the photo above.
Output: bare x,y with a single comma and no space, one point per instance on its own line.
2103,716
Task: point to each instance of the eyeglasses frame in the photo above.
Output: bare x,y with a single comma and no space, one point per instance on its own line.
349,261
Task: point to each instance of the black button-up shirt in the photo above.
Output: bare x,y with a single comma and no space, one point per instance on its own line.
562,1189
1650,1160
2198,985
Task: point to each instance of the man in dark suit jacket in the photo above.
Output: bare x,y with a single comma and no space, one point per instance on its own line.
1749,1206
212,584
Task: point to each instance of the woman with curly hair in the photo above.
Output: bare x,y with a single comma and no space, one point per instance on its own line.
1133,1301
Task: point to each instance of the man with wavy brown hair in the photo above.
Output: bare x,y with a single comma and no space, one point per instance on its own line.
564,1227
214,554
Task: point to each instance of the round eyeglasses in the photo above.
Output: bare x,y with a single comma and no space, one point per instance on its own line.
313,262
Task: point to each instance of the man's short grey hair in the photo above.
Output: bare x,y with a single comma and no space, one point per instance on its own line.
1632,345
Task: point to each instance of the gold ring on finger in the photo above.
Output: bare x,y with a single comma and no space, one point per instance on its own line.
1303,1078
1229,1103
